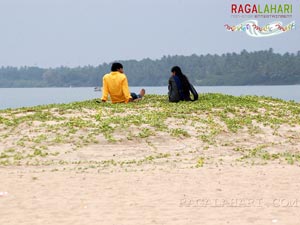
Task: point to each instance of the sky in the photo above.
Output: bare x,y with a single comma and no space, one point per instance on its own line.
52,33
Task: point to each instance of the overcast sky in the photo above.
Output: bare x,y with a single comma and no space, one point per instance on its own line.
51,33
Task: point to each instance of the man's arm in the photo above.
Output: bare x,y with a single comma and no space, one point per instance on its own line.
104,90
125,90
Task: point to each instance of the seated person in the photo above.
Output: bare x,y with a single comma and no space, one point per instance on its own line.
138,97
115,84
180,87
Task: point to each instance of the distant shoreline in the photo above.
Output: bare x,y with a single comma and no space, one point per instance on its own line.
26,97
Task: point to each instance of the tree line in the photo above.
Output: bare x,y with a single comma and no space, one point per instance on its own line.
244,68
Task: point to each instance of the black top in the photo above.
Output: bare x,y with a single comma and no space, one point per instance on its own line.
176,95
173,90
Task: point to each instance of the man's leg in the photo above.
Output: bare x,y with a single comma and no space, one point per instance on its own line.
133,95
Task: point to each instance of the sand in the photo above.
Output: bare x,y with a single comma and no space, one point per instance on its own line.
198,171
228,195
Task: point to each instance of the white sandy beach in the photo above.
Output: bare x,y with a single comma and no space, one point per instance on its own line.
57,170
228,195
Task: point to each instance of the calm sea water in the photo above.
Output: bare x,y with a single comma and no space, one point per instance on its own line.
21,97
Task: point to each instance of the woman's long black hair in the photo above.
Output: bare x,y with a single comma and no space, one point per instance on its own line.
184,82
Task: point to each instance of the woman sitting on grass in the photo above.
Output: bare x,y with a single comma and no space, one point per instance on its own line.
180,87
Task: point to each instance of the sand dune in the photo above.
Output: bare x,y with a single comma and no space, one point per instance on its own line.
207,162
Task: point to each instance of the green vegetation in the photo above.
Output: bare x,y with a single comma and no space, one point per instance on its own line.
152,133
200,162
254,68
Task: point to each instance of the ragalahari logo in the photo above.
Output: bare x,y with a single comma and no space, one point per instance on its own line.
261,9
252,12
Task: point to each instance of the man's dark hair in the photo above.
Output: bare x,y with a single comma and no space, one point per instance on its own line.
116,66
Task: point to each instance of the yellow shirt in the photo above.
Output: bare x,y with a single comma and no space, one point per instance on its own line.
116,85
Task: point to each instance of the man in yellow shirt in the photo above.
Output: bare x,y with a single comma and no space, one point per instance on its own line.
115,84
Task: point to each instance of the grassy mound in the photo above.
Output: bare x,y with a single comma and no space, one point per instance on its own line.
215,130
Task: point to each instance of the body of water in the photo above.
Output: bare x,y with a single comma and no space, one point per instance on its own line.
22,97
